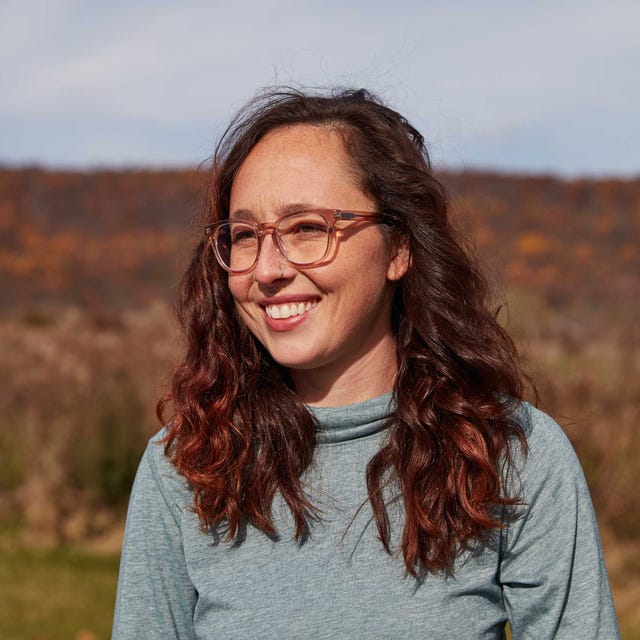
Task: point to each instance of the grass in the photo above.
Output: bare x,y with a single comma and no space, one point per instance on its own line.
56,594
77,408
630,631
68,594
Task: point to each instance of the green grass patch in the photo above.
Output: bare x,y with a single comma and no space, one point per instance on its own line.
56,594
67,594
629,631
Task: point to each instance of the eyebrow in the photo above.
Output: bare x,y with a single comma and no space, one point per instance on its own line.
294,207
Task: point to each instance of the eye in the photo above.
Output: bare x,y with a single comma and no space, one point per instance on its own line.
241,235
308,229
304,226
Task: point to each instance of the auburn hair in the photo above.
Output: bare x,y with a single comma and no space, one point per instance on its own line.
236,429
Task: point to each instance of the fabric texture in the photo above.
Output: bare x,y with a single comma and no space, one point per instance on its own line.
544,573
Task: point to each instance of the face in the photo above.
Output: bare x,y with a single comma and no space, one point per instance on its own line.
339,314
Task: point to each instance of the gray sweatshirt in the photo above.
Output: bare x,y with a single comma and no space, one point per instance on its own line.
544,573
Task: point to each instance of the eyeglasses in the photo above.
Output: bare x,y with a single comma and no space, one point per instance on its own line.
304,238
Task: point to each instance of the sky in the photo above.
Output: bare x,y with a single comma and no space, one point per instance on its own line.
508,85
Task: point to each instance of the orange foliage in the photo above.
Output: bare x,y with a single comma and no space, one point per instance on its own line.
532,244
122,237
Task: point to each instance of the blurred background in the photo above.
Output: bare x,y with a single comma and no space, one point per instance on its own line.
108,115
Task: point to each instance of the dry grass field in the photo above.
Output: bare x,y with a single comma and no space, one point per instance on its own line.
77,407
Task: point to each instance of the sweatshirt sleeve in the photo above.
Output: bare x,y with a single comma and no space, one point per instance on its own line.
155,598
552,571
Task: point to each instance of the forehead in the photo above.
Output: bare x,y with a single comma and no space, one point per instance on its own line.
296,148
297,138
300,163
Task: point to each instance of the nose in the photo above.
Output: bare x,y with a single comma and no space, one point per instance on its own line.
271,264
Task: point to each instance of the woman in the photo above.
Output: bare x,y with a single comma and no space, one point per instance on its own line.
348,453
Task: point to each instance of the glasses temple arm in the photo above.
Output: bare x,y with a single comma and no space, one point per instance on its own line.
349,215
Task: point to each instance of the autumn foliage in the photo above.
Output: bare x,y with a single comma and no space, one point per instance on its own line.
119,239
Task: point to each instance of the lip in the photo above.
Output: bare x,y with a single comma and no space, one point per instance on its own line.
287,324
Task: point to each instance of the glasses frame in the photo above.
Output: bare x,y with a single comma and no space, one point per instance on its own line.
332,216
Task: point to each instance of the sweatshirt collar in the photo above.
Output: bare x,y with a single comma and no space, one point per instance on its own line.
340,424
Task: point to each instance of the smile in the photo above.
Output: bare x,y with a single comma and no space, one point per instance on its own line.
278,311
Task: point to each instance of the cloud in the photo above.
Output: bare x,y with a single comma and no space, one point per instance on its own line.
473,77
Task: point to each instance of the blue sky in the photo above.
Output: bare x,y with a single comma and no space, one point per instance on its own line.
510,85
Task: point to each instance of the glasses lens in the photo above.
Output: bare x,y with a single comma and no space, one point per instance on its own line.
236,245
304,237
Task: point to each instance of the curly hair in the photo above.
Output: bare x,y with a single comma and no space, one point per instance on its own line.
237,431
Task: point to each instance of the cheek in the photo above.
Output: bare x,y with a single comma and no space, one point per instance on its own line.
238,287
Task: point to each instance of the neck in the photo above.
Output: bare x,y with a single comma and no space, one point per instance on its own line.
368,377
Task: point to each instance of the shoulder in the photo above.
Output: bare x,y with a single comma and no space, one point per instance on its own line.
549,468
548,474
547,444
157,474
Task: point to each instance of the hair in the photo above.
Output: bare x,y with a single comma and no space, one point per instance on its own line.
237,431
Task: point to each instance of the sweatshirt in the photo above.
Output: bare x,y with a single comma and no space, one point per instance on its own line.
544,572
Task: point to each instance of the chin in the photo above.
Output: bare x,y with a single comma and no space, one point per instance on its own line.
292,358
297,363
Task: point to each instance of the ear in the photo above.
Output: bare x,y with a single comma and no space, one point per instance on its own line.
400,261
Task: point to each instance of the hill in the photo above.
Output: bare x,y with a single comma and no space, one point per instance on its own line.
117,239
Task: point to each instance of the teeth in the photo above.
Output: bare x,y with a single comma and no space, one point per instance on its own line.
287,310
